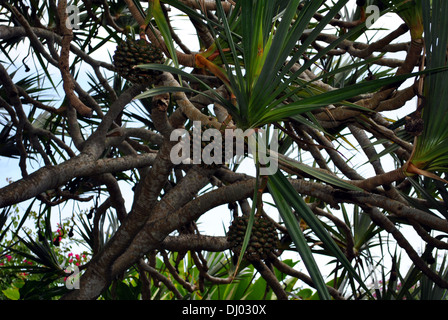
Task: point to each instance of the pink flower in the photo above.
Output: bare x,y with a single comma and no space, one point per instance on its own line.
8,257
70,254
29,262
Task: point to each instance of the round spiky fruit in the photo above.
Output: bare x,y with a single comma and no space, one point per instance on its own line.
263,239
130,53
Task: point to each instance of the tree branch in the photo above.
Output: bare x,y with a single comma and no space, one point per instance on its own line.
299,275
64,62
52,177
158,276
194,242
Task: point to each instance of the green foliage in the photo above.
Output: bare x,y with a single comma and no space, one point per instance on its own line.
247,284
431,147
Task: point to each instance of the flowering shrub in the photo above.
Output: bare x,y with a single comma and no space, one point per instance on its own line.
22,262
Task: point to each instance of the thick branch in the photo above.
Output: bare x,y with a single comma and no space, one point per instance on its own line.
194,242
64,63
164,218
158,276
393,207
271,279
51,177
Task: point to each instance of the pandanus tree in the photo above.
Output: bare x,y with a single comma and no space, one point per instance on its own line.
295,77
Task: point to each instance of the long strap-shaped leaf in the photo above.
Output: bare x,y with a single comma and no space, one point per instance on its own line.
299,240
326,177
331,97
155,10
278,183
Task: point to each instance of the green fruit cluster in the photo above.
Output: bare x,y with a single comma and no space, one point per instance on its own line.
130,53
263,239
